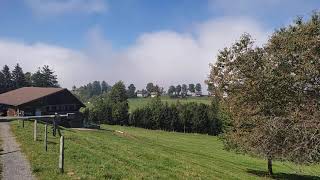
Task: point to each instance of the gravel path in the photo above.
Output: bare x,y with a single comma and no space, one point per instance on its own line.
14,164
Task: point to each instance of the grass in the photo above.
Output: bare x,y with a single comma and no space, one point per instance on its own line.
135,103
145,154
0,158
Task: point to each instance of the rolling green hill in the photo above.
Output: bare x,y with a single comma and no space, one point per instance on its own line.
135,103
117,152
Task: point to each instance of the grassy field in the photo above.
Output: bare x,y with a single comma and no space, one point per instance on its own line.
0,159
135,103
145,154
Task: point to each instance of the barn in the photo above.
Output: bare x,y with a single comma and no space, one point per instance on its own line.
31,101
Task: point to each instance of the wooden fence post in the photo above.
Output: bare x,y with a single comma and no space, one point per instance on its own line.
23,123
35,131
61,156
46,137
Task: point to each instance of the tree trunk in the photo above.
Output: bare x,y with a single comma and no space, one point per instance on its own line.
270,166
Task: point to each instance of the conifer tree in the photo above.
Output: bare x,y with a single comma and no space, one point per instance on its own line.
18,77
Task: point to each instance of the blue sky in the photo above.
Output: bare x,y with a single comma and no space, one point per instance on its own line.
126,39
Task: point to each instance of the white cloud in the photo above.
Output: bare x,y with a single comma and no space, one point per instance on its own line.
164,57
59,7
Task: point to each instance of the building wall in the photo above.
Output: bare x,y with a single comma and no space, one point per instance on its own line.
61,102
11,112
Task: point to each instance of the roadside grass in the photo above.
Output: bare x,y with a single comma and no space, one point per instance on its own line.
117,152
135,103
0,158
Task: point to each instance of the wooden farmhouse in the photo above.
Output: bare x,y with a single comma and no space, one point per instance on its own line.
35,101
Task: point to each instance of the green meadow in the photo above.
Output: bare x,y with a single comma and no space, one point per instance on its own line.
135,103
117,152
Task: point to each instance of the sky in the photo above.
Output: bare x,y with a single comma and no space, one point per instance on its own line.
167,42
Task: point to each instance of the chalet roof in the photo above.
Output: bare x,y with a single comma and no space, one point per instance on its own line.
26,94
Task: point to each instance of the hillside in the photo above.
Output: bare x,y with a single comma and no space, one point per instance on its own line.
135,103
138,153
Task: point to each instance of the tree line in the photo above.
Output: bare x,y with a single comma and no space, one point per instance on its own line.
112,108
183,90
188,118
273,93
10,80
96,88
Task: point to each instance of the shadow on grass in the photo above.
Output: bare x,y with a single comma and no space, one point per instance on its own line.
283,175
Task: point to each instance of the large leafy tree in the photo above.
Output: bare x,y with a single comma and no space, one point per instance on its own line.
198,88
105,87
119,99
150,87
118,92
172,91
96,88
191,88
184,90
178,90
18,77
273,93
131,91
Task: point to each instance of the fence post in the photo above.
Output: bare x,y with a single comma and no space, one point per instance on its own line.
61,156
23,123
35,131
55,119
46,136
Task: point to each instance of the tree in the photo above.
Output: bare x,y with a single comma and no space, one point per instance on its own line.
198,88
131,91
118,93
2,83
120,113
273,93
44,77
49,78
184,90
191,88
18,77
96,88
171,91
157,90
37,79
8,83
28,77
178,89
150,88
210,87
105,87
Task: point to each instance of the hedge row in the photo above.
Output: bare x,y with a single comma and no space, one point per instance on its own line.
189,117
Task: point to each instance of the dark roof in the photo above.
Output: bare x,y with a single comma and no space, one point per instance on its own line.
26,94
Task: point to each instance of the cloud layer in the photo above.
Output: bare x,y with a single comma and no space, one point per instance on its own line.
163,57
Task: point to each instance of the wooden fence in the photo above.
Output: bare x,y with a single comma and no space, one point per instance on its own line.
47,119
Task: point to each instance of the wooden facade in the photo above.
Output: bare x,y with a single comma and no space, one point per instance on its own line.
39,101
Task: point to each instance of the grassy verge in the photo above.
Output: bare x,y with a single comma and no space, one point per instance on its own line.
135,103
132,153
0,158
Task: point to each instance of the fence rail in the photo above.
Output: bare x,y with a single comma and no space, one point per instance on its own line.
54,118
35,117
